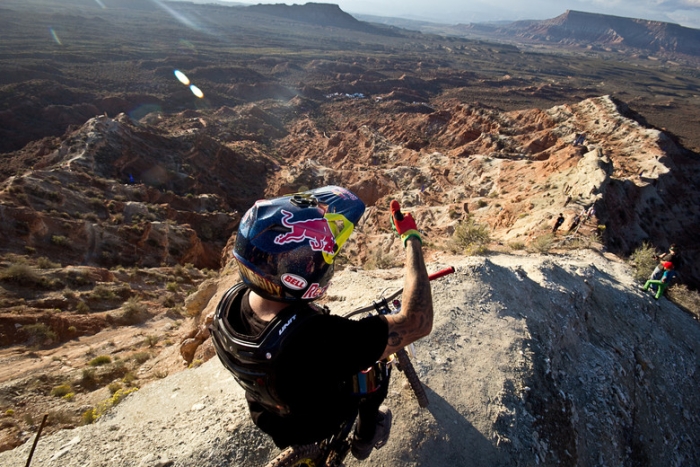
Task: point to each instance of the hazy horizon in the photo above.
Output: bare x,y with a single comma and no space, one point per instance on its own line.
683,12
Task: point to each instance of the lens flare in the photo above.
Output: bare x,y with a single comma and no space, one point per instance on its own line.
179,16
182,77
196,91
55,37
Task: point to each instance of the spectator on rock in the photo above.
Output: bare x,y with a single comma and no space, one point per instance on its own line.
660,286
558,223
672,256
590,213
575,222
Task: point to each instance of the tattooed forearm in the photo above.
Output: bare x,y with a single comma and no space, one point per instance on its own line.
394,339
416,317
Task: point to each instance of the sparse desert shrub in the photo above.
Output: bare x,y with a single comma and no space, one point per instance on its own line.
129,378
60,240
82,308
168,301
516,245
688,300
88,379
543,243
141,357
133,309
644,261
95,203
22,274
151,340
100,360
114,387
79,278
180,270
381,260
171,286
59,417
177,311
102,292
45,263
40,332
90,415
470,238
119,396
62,390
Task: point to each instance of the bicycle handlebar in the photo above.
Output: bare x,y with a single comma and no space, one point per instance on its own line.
373,306
441,273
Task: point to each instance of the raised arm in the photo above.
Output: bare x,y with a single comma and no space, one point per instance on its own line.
416,317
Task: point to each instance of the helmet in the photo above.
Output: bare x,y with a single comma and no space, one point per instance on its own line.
668,265
285,246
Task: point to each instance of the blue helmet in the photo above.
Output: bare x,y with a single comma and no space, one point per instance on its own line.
286,246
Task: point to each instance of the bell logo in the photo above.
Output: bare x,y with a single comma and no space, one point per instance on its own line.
294,282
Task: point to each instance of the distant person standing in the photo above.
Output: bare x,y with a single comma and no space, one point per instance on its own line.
575,222
558,223
590,213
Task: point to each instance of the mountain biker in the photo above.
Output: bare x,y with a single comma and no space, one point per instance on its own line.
297,362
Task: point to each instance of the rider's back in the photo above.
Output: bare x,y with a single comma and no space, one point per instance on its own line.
313,371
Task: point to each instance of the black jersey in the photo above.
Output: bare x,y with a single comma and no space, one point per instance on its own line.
313,370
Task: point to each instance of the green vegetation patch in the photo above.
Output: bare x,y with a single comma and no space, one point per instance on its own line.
100,360
470,238
644,261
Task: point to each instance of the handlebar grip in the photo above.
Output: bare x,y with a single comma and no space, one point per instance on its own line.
442,272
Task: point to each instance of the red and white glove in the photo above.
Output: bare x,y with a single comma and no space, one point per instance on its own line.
403,224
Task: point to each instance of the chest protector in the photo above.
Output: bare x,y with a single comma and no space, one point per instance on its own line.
254,360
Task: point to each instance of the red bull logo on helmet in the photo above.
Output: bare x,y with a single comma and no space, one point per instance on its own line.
314,291
316,231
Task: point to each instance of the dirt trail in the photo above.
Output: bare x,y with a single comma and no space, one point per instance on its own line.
545,360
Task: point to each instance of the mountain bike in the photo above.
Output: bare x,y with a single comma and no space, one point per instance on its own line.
331,451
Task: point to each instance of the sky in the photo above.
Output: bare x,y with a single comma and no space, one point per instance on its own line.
683,12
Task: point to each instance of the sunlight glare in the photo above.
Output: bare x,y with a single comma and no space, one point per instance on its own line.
102,5
182,77
55,37
196,91
178,16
